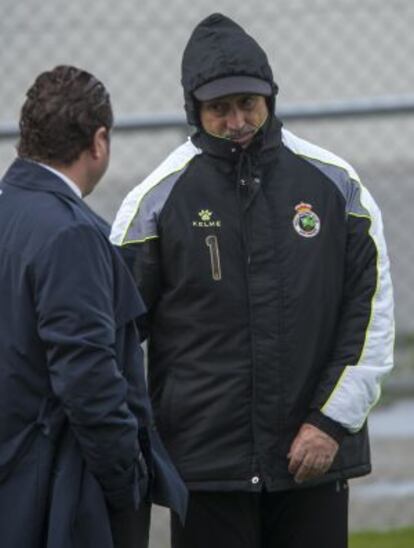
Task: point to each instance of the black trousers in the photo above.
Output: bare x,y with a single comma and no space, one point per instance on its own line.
130,529
315,517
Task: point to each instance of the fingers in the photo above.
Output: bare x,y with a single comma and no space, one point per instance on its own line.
306,471
312,467
296,458
311,454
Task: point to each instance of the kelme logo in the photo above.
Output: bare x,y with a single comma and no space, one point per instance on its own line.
205,214
206,219
306,221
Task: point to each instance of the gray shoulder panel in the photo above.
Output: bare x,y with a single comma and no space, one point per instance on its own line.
349,188
137,218
333,167
144,224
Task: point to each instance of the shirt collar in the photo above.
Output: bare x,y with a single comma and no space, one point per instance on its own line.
64,178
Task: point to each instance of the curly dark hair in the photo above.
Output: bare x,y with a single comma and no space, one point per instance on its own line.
63,109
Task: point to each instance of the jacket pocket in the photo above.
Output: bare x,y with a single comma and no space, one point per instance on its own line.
12,451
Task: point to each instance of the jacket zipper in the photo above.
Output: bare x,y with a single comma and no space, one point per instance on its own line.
244,202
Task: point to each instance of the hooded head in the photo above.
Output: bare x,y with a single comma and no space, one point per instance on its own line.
222,59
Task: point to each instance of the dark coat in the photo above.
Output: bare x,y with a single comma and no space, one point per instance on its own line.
75,416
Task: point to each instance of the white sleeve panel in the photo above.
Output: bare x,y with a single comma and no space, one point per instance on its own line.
359,387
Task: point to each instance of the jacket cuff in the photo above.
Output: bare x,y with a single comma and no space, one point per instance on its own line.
134,490
327,425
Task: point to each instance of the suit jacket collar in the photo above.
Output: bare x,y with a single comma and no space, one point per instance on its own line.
29,175
32,176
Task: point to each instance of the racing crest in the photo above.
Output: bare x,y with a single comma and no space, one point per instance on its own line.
306,221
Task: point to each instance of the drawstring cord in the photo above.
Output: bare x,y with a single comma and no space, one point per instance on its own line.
244,158
245,174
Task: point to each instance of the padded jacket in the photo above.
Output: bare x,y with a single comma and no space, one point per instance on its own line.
266,277
267,281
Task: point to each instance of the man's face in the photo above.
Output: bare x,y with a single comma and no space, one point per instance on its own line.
234,117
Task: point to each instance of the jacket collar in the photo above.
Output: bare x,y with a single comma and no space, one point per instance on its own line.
29,175
32,176
71,184
262,149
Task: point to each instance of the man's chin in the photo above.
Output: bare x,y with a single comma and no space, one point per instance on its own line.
245,140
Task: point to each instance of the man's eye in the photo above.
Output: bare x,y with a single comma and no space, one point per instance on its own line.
218,108
248,102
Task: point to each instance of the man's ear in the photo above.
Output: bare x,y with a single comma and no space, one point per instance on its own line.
99,143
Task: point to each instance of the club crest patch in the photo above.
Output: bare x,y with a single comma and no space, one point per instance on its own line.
306,222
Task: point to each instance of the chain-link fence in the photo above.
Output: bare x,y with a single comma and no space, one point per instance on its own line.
321,51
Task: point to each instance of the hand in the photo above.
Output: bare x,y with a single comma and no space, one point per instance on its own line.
143,479
311,453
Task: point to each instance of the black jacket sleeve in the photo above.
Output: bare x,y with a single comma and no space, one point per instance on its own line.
143,262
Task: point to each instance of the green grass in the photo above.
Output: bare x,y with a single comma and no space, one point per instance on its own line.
403,538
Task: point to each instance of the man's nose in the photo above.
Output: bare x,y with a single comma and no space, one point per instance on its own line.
235,119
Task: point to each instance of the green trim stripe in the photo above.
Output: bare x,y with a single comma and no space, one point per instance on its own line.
336,387
359,216
323,161
127,242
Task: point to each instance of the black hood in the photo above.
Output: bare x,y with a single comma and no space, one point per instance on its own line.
219,47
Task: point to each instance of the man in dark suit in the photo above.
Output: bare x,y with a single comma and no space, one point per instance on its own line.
78,449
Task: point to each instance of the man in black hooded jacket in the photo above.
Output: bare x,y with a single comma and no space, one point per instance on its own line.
262,262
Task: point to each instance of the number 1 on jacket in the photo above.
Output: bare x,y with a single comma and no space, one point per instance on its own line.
212,244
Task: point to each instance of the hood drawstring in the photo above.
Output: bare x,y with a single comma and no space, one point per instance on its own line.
247,178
